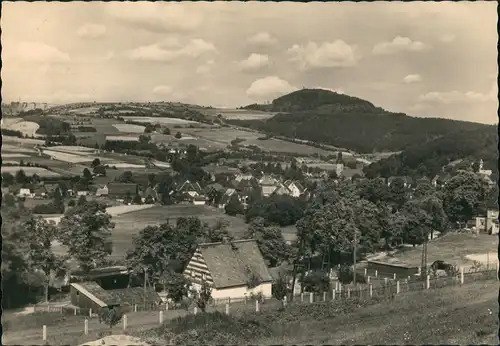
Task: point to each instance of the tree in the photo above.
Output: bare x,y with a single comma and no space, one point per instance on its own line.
137,199
21,177
270,240
463,196
280,288
234,207
41,258
95,163
203,296
178,135
86,174
126,177
100,170
166,131
316,282
8,179
59,200
86,230
178,287
82,200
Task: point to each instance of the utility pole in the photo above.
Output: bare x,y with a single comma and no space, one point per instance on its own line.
354,257
145,283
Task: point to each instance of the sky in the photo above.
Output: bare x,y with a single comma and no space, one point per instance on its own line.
424,59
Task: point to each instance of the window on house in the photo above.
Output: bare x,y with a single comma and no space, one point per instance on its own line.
77,293
203,276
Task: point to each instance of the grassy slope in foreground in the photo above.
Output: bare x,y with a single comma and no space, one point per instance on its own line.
458,315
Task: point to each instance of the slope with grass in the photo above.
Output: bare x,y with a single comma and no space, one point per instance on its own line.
459,315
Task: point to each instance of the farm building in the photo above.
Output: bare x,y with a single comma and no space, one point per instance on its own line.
488,224
149,193
107,277
296,189
121,190
268,185
90,295
39,192
234,270
102,191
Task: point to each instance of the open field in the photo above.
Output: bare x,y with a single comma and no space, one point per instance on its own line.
129,128
13,155
85,110
452,248
130,224
161,120
202,143
452,315
72,148
66,157
123,138
278,145
16,148
41,172
27,128
239,114
22,141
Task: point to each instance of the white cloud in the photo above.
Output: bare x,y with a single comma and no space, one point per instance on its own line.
163,90
262,38
156,17
92,31
254,62
448,38
33,52
269,87
398,44
165,51
412,78
326,54
450,97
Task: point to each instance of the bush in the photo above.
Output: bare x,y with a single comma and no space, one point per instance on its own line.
49,208
316,282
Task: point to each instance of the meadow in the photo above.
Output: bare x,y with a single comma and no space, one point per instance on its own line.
239,114
161,120
29,171
130,224
129,128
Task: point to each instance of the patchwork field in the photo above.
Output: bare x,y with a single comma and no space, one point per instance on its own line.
15,148
27,128
161,120
130,224
239,114
67,157
22,141
42,172
123,138
12,155
129,128
85,110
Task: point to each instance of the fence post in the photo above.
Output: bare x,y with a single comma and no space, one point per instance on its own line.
90,312
368,279
86,327
125,317
311,297
161,317
324,296
195,311
385,281
135,307
365,271
397,287
333,294
461,275
496,270
284,301
302,297
256,305
409,277
348,292
227,309
394,276
428,282
44,333
75,310
370,286
376,273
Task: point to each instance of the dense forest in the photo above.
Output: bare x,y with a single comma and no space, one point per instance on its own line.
427,159
326,117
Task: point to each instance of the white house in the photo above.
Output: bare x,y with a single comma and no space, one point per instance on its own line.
296,190
234,270
488,224
268,185
25,192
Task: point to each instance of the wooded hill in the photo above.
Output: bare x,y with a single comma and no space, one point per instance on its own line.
344,121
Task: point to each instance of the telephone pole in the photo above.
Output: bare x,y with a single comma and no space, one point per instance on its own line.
354,257
145,283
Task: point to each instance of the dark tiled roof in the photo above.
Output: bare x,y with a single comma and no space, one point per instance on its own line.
229,263
121,189
215,186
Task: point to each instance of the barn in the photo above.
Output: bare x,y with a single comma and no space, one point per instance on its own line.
90,295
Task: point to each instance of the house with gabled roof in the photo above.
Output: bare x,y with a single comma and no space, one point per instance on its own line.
268,185
122,190
190,192
282,190
233,269
296,189
149,193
